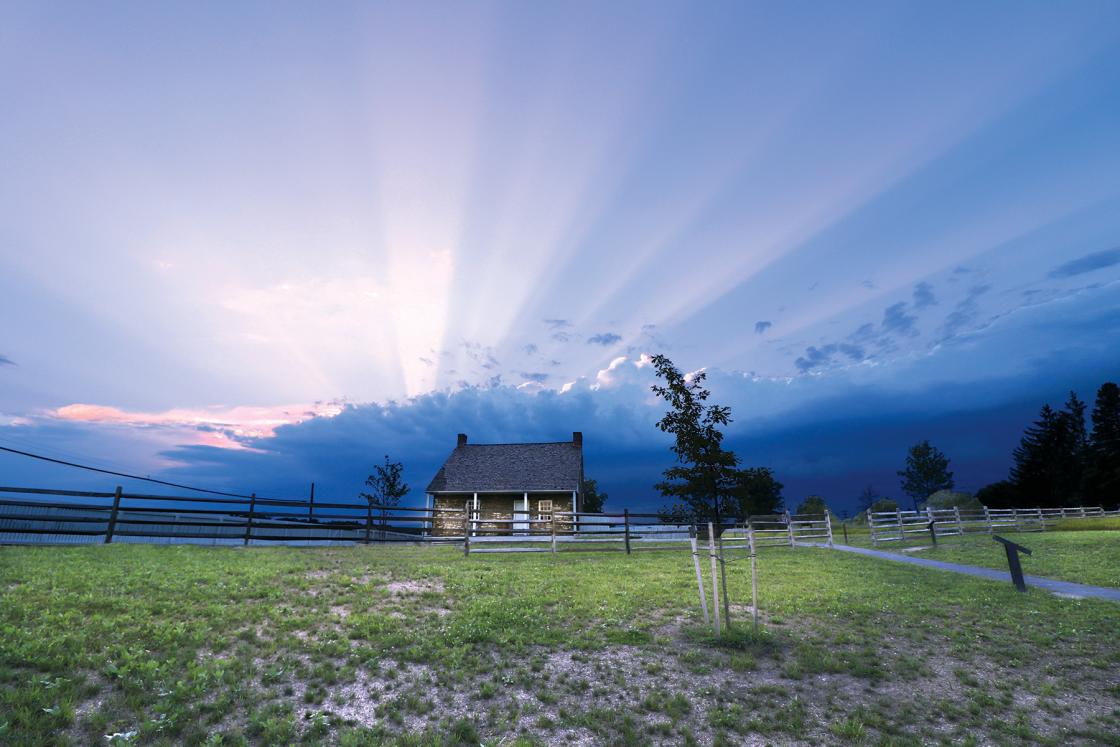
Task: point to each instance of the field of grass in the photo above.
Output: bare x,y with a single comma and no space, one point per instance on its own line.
1085,557
132,644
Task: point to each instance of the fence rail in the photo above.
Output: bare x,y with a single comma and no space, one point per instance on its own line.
899,526
48,516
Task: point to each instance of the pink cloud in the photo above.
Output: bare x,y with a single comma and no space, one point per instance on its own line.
223,427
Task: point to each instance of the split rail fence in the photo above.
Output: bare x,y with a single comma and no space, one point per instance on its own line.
49,516
898,526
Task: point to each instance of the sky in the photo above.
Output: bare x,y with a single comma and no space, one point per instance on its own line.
253,246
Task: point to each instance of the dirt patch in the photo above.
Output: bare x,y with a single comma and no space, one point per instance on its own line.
414,586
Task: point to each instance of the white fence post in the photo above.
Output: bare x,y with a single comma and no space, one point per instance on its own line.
957,514
828,526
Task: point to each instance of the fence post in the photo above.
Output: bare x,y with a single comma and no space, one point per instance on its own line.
369,521
901,526
113,516
789,528
828,526
249,520
626,528
552,526
715,576
957,514
466,529
870,527
1018,525
988,519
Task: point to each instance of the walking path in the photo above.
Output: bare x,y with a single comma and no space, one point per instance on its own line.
1061,588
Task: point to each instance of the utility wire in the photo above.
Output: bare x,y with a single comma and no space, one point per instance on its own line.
122,474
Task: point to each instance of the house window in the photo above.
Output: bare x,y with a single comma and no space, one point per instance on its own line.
544,510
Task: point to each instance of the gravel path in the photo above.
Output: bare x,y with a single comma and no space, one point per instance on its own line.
1061,588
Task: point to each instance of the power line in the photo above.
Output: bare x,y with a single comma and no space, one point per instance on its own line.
122,474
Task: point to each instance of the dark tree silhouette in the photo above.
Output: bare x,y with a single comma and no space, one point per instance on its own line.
1103,467
927,471
386,485
755,492
593,500
813,504
1047,466
704,480
867,497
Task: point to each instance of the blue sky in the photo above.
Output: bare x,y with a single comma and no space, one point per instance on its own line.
258,245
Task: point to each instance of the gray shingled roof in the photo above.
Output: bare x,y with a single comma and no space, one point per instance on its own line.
484,467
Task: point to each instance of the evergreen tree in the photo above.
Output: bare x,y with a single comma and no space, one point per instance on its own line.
1103,469
927,471
1047,466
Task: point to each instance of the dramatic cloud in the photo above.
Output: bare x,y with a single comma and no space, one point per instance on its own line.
897,321
965,312
923,296
1088,263
761,327
823,356
604,338
222,427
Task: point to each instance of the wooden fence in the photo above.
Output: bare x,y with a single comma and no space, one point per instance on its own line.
898,526
48,516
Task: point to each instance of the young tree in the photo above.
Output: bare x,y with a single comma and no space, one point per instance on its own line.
593,500
386,485
1103,478
927,471
703,480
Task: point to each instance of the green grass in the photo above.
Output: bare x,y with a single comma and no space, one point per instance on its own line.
1087,557
396,645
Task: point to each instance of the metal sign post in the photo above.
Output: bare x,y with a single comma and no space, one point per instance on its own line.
1013,551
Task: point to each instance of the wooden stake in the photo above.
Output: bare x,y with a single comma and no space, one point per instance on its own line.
249,521
113,516
723,580
553,526
754,579
699,575
715,576
626,525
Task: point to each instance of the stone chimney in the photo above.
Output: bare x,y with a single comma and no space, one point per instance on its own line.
577,438
462,439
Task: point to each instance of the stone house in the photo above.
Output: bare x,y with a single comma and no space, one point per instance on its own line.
512,483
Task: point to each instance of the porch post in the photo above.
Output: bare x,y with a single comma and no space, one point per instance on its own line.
475,512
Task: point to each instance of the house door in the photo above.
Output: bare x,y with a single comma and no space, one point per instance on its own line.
521,514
